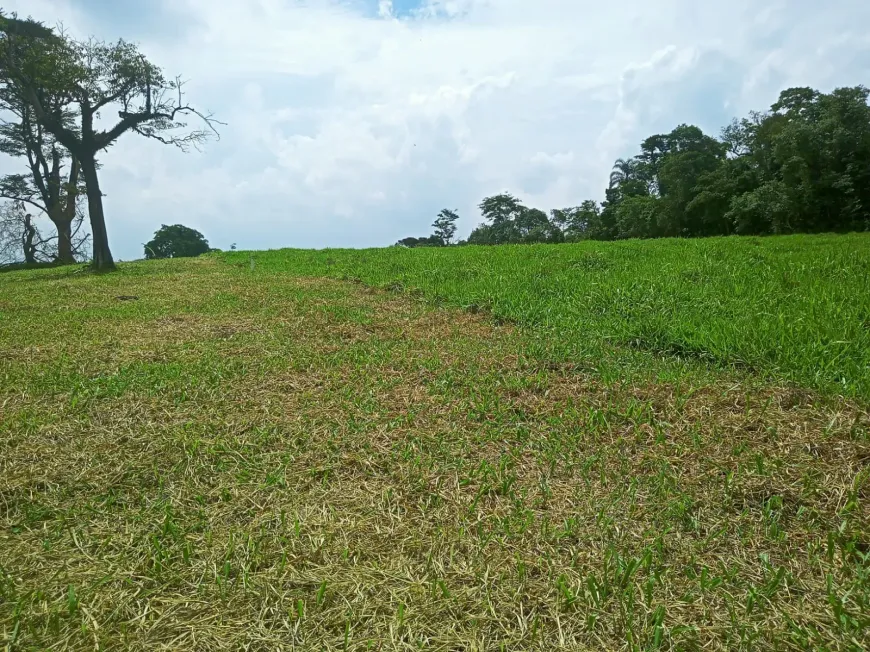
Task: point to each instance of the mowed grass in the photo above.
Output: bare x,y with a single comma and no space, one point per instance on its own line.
254,459
795,307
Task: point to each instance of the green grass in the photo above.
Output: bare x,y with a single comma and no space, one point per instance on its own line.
795,307
257,459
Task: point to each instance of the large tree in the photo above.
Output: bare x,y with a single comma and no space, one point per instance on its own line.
57,76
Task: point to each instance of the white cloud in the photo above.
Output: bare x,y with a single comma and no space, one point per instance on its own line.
556,161
385,8
352,122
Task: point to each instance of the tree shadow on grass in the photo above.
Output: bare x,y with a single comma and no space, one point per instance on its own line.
70,269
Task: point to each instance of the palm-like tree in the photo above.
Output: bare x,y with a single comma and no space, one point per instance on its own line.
623,170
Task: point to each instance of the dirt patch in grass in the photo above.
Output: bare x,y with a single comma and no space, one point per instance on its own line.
310,464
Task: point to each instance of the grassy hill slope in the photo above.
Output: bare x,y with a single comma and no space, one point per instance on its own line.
795,307
198,455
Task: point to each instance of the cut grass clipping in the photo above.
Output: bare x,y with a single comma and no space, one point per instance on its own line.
245,459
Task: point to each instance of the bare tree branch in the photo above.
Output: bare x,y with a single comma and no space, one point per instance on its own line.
39,207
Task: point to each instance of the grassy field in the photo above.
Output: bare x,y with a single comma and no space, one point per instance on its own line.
243,458
794,307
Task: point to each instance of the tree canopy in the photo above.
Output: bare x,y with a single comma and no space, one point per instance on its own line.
176,241
509,221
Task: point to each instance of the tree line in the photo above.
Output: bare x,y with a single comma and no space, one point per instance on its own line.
803,166
58,96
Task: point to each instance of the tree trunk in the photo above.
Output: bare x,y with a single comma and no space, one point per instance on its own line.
64,242
27,241
102,254
65,215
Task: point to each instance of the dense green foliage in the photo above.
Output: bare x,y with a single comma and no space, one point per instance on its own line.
426,241
176,241
801,167
508,221
795,307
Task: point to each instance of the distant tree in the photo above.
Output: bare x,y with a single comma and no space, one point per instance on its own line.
602,225
576,222
445,229
60,79
428,241
770,208
445,226
22,241
628,178
640,217
512,222
533,225
710,211
561,216
679,176
483,234
176,241
820,146
502,208
19,237
802,166
737,136
501,211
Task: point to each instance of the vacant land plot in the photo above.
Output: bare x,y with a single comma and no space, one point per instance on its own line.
228,458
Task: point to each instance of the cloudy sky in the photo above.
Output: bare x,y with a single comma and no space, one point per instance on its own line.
353,122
